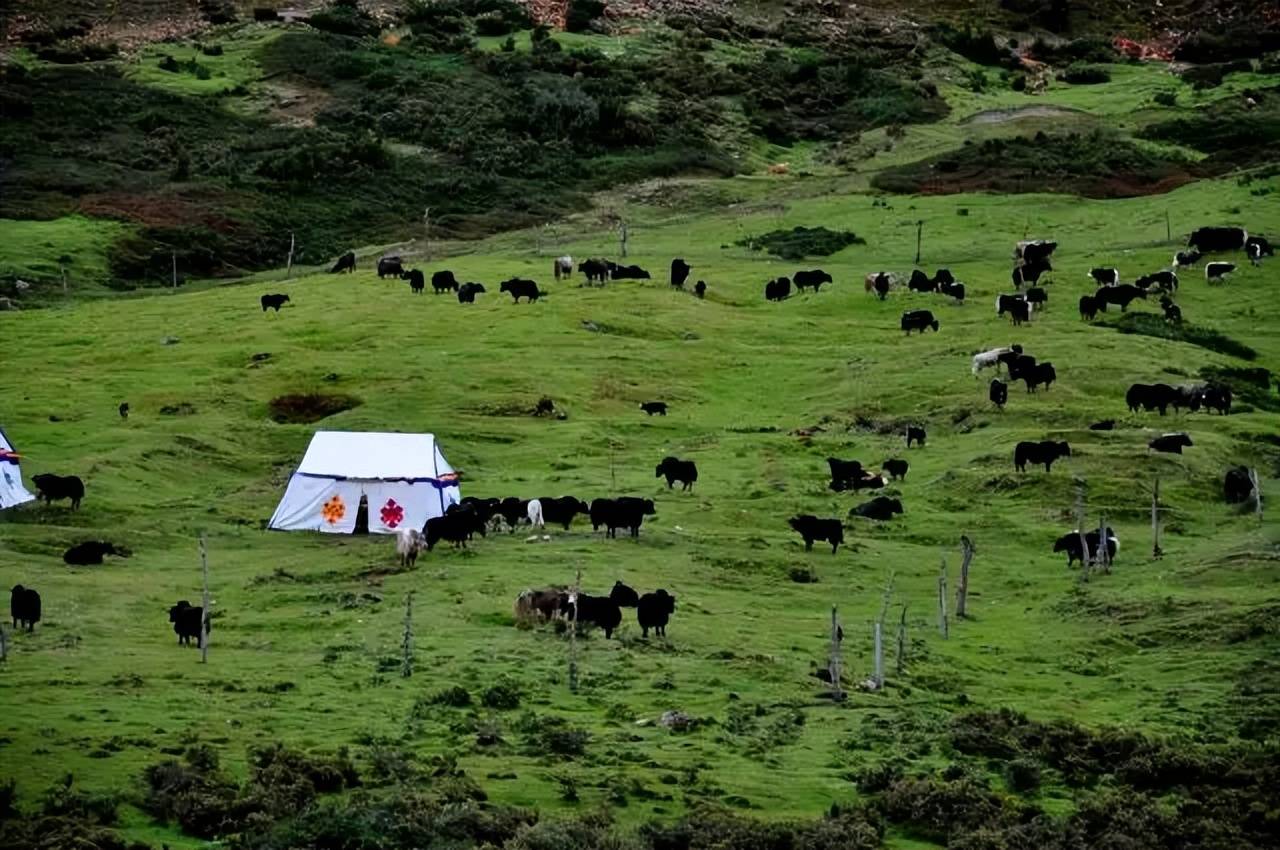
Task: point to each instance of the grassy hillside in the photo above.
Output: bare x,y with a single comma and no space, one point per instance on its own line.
306,642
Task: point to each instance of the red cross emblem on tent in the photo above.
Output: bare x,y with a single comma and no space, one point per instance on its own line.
392,514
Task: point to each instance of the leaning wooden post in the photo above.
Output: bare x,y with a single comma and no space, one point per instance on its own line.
173,255
205,603
573,635
1084,543
622,237
406,643
1156,551
833,660
962,588
288,269
1257,492
942,600
902,642
4,643
919,230
1104,549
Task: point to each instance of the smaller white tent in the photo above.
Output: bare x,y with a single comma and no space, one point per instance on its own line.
404,477
11,490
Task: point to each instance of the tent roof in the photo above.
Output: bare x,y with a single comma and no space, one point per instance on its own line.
372,455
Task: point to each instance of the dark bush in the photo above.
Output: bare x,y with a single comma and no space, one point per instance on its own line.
1076,50
1224,127
344,17
503,695
211,49
1211,76
975,44
800,242
75,52
304,408
1022,775
582,13
1165,98
1082,74
454,697
1212,44
218,12
1150,324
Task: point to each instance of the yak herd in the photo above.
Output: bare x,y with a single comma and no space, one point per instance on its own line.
1032,260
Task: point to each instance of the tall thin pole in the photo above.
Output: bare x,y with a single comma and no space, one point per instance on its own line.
919,229
833,660
878,676
173,255
1084,543
4,643
288,271
406,644
962,587
902,642
942,601
573,635
205,603
1257,492
1168,228
1156,551
1104,550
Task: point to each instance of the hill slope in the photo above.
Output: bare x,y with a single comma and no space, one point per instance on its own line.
306,643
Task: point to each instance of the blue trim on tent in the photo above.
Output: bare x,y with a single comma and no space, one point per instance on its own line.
435,482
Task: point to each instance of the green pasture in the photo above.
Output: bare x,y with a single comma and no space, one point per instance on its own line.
306,640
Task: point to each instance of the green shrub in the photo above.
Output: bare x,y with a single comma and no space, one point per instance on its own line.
344,17
454,697
503,695
1150,324
1165,98
1082,74
800,242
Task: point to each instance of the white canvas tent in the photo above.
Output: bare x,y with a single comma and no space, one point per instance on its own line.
404,477
11,490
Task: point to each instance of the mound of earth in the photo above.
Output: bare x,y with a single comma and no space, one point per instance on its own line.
1092,165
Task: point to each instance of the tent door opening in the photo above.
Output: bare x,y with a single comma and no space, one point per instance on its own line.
362,516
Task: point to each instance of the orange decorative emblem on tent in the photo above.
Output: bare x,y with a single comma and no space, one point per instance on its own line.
334,510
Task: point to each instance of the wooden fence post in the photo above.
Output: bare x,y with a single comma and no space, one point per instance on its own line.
902,642
919,231
173,255
4,643
1156,551
962,589
573,635
878,675
205,603
406,643
1084,543
1104,550
942,600
833,660
288,269
1257,492
622,237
